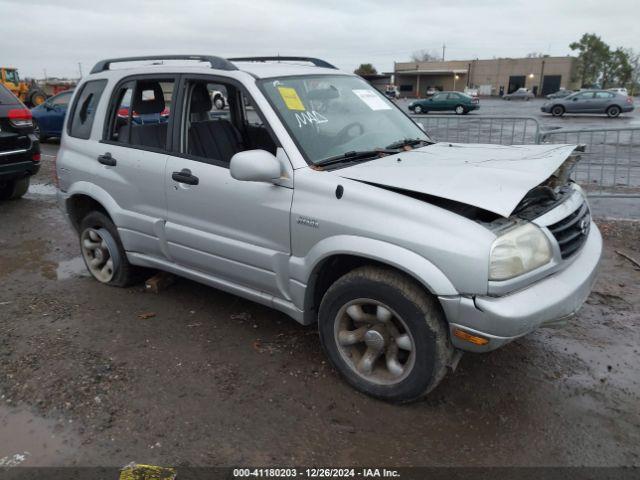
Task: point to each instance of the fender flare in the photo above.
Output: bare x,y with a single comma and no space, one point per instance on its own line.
302,269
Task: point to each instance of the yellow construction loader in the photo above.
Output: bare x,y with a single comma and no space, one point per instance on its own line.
29,93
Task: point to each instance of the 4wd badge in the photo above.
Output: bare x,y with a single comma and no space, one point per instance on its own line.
309,222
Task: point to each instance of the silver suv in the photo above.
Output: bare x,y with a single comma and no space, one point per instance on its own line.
314,194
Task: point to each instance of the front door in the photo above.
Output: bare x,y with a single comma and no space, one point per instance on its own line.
234,230
581,103
440,102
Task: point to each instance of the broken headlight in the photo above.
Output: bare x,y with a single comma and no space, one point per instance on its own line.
518,251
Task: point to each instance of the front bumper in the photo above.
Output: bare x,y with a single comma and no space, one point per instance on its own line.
548,302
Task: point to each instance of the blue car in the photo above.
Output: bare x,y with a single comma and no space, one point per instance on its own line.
49,116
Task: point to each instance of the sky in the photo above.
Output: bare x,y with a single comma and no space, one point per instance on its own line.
57,35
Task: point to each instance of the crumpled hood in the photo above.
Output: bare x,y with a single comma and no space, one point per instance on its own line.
491,177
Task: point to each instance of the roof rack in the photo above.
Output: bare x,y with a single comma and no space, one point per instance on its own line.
217,63
316,61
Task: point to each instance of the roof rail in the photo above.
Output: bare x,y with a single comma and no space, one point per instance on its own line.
316,61
217,63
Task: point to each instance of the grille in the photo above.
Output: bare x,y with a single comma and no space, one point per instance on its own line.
571,232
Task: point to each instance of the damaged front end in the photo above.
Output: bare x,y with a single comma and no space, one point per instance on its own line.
552,191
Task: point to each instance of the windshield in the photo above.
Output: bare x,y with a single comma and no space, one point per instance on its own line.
330,115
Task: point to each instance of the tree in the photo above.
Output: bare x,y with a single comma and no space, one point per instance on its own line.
592,57
425,56
634,61
617,70
537,55
366,69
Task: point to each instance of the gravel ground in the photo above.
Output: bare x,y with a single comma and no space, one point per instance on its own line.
92,375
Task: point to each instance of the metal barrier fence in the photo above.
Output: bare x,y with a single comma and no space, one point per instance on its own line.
610,165
481,129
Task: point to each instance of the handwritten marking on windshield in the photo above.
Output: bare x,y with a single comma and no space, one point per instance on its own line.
309,118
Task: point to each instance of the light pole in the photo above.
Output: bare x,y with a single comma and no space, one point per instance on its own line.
455,77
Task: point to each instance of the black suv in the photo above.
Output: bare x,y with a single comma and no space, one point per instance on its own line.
19,147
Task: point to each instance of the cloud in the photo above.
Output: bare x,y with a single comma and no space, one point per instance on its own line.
58,34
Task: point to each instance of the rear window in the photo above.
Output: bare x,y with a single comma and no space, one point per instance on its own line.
84,109
6,97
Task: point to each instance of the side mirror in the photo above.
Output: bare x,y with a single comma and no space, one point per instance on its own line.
254,166
48,106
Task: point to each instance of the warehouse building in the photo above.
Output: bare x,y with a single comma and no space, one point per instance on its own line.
491,77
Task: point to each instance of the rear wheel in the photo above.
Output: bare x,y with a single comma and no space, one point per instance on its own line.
103,252
385,334
417,109
37,97
14,189
557,110
460,110
613,111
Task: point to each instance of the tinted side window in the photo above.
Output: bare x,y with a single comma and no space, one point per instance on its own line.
604,95
84,109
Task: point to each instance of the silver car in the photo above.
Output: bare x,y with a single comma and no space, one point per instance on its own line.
314,194
590,101
519,94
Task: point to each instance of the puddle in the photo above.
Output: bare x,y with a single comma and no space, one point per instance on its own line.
42,189
29,440
71,269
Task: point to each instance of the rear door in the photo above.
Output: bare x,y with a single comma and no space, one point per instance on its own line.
233,230
601,100
133,157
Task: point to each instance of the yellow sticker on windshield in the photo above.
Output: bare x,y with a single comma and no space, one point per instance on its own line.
291,98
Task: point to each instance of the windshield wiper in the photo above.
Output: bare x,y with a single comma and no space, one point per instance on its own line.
407,142
354,155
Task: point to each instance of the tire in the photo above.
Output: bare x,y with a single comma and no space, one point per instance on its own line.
417,109
38,133
219,102
14,189
460,110
407,332
37,97
557,110
97,230
613,111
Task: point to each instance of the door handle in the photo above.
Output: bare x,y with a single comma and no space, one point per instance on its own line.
107,159
185,176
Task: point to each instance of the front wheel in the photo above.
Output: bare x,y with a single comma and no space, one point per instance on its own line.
417,109
385,334
38,132
460,110
557,111
613,111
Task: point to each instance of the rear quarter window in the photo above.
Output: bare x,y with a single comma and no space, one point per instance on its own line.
6,97
84,109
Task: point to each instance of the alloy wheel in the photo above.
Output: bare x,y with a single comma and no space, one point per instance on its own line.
97,253
374,341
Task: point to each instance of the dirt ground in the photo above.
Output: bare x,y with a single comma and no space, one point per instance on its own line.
92,375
